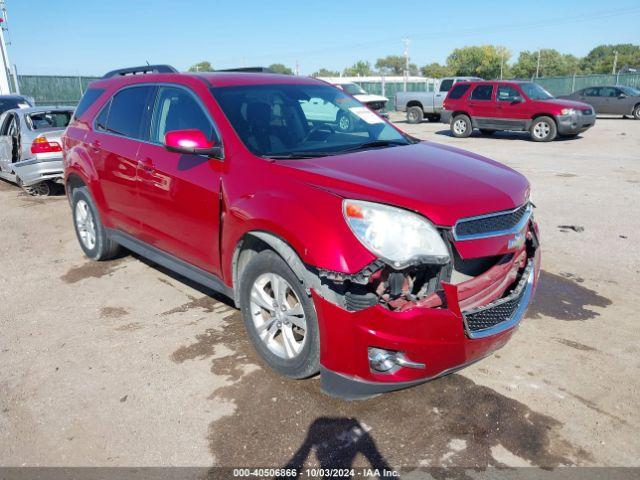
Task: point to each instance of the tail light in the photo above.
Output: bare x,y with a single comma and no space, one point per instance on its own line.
42,145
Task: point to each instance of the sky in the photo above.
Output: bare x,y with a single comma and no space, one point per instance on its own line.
89,37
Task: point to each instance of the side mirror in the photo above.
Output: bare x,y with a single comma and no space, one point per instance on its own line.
622,95
191,141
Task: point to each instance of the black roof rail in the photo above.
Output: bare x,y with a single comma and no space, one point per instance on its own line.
248,70
140,70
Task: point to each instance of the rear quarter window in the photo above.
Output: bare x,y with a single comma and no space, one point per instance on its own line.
446,85
458,91
88,99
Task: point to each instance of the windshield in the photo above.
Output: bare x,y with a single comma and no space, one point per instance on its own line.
632,92
303,120
535,91
58,119
353,89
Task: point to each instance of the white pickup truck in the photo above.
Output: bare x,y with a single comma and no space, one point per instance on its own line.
420,105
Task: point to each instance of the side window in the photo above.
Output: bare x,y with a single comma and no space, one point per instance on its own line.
177,109
608,92
126,112
507,93
101,119
446,85
89,97
592,92
482,92
458,91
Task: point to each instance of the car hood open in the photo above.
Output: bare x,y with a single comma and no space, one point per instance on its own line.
441,182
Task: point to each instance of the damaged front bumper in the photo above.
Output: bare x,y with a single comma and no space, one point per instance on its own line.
447,330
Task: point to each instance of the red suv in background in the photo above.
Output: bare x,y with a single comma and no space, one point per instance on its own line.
520,106
369,256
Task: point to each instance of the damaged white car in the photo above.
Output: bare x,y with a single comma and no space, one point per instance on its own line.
30,148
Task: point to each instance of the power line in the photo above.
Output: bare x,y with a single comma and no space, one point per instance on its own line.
543,23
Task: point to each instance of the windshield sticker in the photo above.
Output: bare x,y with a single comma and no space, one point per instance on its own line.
367,115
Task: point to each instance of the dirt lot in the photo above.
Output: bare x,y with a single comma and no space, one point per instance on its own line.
122,363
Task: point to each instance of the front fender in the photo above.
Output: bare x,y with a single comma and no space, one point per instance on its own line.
308,219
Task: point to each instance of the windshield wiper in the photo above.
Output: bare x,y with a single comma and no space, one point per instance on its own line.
294,155
374,144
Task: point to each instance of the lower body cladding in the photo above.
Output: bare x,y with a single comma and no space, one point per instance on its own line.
34,170
379,348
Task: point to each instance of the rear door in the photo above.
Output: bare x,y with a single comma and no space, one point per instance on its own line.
6,142
180,193
593,97
482,105
114,144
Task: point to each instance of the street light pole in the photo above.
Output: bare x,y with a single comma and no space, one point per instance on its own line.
406,62
615,63
538,65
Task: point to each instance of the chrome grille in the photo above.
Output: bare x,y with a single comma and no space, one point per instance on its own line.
493,224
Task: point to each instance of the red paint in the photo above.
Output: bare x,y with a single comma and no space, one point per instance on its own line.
176,203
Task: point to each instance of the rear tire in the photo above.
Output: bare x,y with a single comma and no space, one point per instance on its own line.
42,189
92,236
271,295
461,126
636,112
543,129
415,115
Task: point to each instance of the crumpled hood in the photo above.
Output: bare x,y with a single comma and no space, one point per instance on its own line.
443,183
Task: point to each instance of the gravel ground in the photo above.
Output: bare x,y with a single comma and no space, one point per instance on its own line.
122,363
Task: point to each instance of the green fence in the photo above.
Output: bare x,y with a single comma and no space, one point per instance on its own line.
566,85
390,89
54,90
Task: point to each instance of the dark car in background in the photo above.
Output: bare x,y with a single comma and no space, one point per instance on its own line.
9,102
610,99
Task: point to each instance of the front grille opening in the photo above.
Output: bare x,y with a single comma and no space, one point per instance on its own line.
488,225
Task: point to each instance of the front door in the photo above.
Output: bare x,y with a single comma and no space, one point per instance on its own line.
114,146
511,107
180,193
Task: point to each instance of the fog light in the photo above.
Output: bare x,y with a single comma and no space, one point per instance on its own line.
381,360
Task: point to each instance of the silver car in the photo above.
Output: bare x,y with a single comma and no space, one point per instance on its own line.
612,99
30,147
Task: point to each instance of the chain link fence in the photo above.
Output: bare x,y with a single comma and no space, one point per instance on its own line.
54,90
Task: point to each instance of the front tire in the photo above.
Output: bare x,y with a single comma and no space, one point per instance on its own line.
636,112
279,316
461,126
543,129
415,115
92,236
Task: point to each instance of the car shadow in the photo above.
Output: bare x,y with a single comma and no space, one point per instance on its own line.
506,135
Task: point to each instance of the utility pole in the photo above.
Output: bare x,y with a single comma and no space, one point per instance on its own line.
5,88
406,42
297,71
615,62
538,65
501,62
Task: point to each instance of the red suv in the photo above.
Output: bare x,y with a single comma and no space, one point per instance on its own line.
376,259
524,106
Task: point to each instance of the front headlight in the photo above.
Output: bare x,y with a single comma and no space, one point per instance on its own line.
397,236
568,111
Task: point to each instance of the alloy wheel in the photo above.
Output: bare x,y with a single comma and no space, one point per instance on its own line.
278,315
541,130
85,224
344,123
459,126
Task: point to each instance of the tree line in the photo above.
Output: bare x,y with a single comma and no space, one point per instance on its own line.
490,61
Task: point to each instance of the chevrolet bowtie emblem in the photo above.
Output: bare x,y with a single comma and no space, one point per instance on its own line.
516,241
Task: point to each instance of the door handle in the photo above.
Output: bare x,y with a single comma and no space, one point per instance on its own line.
146,165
